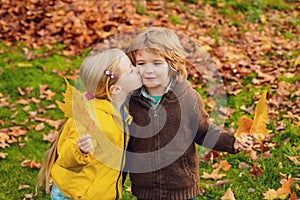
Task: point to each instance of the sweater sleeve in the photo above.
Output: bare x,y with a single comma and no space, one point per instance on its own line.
69,154
210,135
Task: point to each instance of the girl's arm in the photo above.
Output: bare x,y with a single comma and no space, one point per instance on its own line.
70,156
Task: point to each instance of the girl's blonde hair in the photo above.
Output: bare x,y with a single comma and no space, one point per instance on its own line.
163,42
93,67
96,83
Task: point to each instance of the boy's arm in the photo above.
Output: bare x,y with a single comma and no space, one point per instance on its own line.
209,135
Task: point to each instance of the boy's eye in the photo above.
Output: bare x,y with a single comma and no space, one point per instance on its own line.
157,63
140,63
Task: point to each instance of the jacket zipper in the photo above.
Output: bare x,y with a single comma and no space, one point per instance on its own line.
122,161
157,146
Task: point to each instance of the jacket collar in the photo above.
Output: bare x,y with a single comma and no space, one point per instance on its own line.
107,106
177,86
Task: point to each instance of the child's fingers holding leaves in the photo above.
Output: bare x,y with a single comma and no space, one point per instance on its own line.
85,143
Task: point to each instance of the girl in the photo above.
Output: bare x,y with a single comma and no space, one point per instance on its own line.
169,118
79,167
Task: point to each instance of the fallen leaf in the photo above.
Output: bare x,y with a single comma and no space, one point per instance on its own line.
224,165
293,159
51,136
256,171
40,126
3,155
270,194
22,187
285,189
294,196
214,175
228,195
218,184
21,92
280,193
31,164
29,196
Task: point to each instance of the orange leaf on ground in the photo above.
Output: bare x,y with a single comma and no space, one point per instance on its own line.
280,193
31,164
40,126
228,195
22,187
224,165
270,194
285,189
3,140
51,136
294,159
3,155
214,175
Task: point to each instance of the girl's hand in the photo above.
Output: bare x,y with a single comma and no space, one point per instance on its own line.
243,145
85,143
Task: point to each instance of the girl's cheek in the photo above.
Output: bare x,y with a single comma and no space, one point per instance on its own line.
139,70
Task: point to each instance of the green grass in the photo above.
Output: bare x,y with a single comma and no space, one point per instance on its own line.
16,71
40,72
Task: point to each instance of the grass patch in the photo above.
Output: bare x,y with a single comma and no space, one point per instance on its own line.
16,71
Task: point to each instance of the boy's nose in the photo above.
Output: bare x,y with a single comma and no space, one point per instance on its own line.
149,68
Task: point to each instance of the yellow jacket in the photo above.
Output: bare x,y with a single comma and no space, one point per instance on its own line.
95,175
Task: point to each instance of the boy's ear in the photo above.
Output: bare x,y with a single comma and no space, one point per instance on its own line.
115,89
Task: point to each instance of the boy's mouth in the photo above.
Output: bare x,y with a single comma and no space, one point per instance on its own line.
149,78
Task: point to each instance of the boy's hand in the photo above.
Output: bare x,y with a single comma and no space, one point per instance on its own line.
243,145
85,143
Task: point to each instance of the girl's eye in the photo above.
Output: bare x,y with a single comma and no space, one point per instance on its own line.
140,64
157,63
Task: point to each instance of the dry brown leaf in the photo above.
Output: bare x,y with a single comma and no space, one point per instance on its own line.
214,175
228,195
256,171
3,155
218,184
22,187
21,92
51,136
40,126
31,164
285,189
270,194
280,193
294,159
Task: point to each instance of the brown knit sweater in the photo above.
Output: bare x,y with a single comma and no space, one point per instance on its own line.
162,158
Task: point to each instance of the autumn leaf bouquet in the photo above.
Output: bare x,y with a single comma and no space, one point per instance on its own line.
78,107
255,128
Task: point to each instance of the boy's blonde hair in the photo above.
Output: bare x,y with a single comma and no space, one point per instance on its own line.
163,42
96,83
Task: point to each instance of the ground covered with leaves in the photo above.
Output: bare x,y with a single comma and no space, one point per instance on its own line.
254,45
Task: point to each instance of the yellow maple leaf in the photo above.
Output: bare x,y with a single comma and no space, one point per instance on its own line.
67,106
280,193
256,127
77,107
244,127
